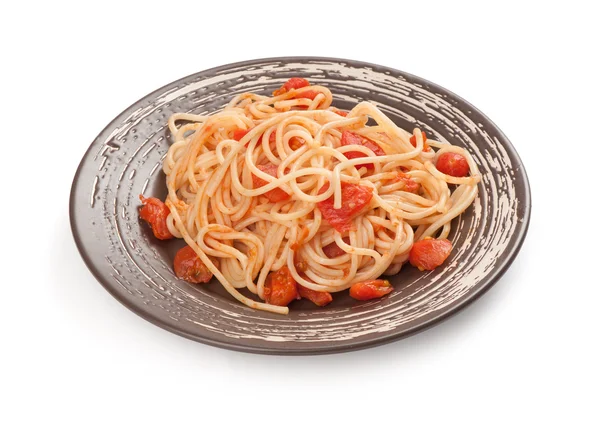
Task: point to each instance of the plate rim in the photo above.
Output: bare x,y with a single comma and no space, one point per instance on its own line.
319,348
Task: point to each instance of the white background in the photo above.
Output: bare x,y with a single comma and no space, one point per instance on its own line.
528,349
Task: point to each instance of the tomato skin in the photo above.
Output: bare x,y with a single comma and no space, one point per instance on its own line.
351,138
429,253
333,250
413,141
367,290
354,199
293,83
280,288
320,298
307,94
238,134
155,212
341,112
189,267
410,185
275,195
453,164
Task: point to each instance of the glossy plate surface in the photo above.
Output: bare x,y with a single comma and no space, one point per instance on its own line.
125,160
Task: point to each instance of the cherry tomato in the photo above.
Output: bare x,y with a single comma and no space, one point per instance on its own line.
354,199
155,212
453,164
320,298
429,253
351,138
189,267
293,83
368,290
275,195
280,288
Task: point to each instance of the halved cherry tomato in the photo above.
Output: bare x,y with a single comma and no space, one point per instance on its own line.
293,83
429,253
413,141
189,267
410,185
368,290
155,212
351,138
280,288
320,298
453,164
238,134
275,195
354,199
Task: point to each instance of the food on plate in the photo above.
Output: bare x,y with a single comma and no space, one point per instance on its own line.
292,198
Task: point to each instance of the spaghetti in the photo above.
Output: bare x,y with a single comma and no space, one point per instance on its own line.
287,188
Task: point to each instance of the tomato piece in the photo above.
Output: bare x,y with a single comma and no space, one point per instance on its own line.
453,164
155,212
410,185
413,141
429,253
320,298
426,147
293,83
280,288
275,195
367,290
333,250
307,94
340,112
351,138
189,267
354,199
238,134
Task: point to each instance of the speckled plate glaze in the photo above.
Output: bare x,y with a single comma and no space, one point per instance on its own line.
125,160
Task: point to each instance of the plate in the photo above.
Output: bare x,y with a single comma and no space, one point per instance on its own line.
125,161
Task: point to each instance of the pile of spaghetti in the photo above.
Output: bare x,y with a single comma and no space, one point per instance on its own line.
290,197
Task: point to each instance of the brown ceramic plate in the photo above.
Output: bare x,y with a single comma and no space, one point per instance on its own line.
125,160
